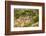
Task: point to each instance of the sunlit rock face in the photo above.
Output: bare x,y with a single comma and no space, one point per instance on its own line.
23,20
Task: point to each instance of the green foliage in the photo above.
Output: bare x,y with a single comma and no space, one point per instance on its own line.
18,12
